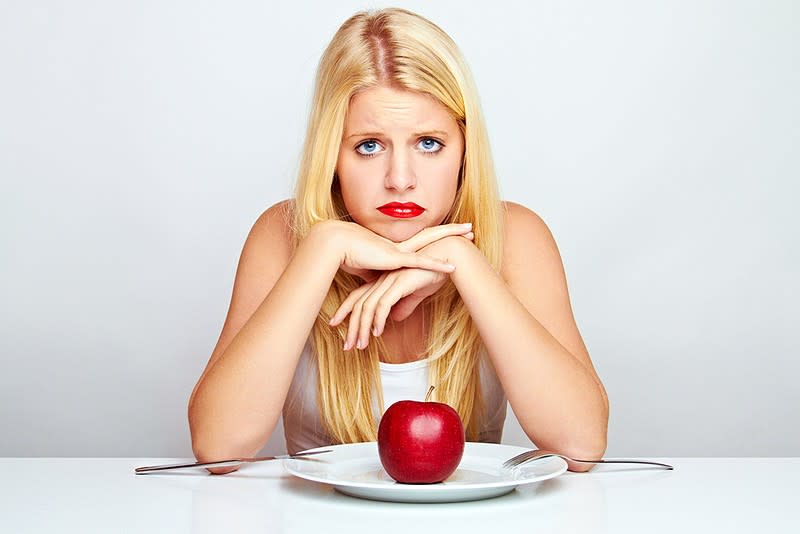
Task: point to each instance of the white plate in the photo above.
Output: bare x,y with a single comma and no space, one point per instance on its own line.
355,469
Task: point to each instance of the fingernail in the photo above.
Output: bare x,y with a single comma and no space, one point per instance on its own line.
450,267
467,225
358,345
375,331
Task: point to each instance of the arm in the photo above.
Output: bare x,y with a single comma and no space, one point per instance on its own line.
277,296
525,320
237,401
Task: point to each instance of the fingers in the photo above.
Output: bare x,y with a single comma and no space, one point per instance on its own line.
347,305
351,339
370,305
373,303
379,303
404,307
355,337
388,299
428,235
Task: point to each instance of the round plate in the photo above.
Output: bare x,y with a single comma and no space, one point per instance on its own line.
355,469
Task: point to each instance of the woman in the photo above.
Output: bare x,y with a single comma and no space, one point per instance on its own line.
396,266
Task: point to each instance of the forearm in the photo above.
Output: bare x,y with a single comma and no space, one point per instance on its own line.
237,404
558,401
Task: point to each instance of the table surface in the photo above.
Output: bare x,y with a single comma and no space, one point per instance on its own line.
104,495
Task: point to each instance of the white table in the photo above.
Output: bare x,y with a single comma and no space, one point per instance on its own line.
103,495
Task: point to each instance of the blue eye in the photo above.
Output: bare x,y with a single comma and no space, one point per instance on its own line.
368,148
430,145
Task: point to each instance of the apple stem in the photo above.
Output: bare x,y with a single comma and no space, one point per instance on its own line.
428,395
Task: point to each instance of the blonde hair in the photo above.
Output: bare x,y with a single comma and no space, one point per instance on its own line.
400,49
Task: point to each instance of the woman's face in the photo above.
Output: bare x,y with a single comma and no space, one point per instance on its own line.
399,147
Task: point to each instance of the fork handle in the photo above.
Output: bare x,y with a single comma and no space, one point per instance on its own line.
620,462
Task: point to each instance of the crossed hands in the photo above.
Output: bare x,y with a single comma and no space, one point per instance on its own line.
398,277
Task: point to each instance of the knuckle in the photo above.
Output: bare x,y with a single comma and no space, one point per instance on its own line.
365,323
384,303
369,305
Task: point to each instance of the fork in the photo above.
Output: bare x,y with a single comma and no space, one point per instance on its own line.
530,456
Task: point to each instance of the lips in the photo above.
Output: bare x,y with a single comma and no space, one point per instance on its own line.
401,210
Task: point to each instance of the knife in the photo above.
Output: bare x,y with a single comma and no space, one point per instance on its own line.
227,463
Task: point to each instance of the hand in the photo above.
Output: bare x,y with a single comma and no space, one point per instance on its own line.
394,294
367,254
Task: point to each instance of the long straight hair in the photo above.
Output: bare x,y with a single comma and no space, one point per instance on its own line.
396,48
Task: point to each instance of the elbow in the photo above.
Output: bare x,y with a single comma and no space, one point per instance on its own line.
591,448
214,444
207,448
217,451
215,436
579,468
583,437
206,454
588,450
586,446
203,455
590,445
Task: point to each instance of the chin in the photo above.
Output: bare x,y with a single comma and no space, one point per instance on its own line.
396,231
399,233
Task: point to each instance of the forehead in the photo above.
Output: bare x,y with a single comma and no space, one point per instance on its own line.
388,108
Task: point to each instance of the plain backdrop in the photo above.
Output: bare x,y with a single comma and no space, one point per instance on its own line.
140,140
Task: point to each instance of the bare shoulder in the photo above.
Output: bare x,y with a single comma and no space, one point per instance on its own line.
273,228
526,238
265,255
266,252
534,272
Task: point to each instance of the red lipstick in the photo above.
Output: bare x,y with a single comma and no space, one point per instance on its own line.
401,210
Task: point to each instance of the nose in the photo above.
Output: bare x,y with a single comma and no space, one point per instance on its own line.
400,175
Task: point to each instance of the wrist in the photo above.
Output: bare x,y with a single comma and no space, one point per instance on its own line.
325,237
450,249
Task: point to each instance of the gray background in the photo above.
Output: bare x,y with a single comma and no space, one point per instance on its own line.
139,141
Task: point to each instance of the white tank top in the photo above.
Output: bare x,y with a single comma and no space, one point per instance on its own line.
303,426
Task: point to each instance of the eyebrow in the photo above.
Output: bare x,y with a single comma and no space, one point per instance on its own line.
439,133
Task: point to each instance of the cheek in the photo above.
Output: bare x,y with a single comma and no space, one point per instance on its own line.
350,174
447,171
358,188
355,182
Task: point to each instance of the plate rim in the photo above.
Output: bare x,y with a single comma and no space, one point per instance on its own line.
428,488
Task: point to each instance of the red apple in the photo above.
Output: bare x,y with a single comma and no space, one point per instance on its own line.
420,442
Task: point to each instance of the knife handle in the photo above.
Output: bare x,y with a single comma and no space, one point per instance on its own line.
226,463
